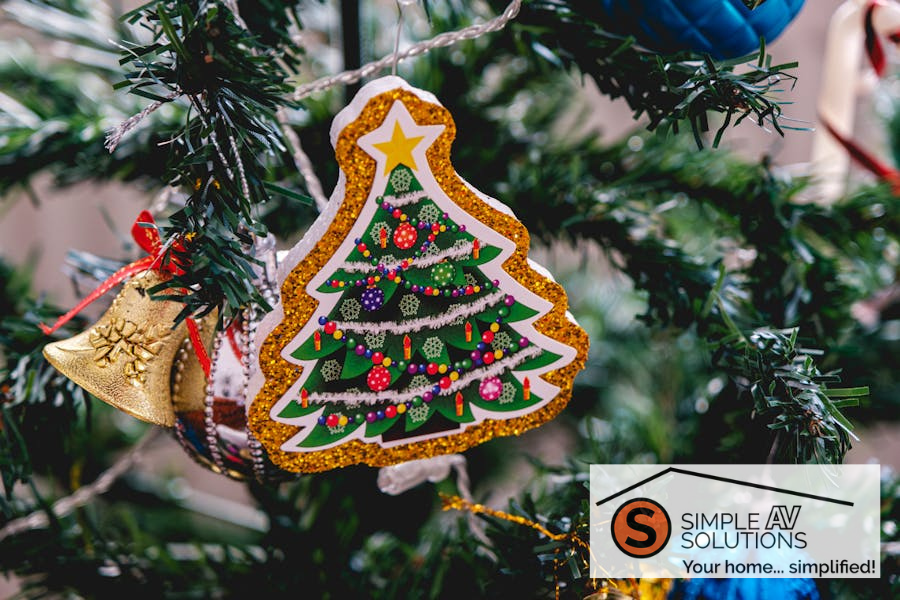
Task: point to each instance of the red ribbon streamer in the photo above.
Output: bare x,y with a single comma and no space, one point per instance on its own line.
878,59
138,266
199,348
865,158
146,236
873,45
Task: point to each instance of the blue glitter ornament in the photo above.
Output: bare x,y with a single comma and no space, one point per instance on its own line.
721,28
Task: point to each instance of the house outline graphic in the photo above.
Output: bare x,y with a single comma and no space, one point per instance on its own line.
725,479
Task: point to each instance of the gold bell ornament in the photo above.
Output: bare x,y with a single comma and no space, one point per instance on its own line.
125,359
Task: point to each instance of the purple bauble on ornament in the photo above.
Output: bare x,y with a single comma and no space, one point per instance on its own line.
372,299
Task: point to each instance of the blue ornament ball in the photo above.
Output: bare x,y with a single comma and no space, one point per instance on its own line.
372,299
721,28
744,589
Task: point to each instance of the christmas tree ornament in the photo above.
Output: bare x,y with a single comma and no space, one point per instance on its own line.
721,28
448,337
125,359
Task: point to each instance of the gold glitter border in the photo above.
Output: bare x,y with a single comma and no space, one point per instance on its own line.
299,307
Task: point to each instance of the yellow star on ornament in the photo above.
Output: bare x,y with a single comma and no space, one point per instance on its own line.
399,149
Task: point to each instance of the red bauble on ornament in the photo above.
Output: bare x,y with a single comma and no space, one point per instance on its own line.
379,379
405,236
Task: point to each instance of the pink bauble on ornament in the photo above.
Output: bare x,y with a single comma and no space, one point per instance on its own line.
490,388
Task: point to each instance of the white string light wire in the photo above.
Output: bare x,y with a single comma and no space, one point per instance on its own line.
439,41
302,162
352,76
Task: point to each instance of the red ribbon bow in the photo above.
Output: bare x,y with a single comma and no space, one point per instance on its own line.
146,235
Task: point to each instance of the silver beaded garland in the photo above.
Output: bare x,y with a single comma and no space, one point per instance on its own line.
219,438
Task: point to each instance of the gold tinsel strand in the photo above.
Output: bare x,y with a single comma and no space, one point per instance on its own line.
646,589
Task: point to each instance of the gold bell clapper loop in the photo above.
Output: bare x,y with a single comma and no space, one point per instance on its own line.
125,359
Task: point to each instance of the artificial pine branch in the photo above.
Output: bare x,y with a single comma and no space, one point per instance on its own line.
671,90
55,114
794,280
35,400
232,80
200,52
651,209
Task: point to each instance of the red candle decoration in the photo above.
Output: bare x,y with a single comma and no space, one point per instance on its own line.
407,347
304,398
526,389
317,340
383,237
468,331
476,248
459,404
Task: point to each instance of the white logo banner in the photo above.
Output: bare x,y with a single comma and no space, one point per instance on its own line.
735,521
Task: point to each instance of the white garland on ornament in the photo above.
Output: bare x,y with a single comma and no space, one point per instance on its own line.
432,259
357,398
404,199
465,310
